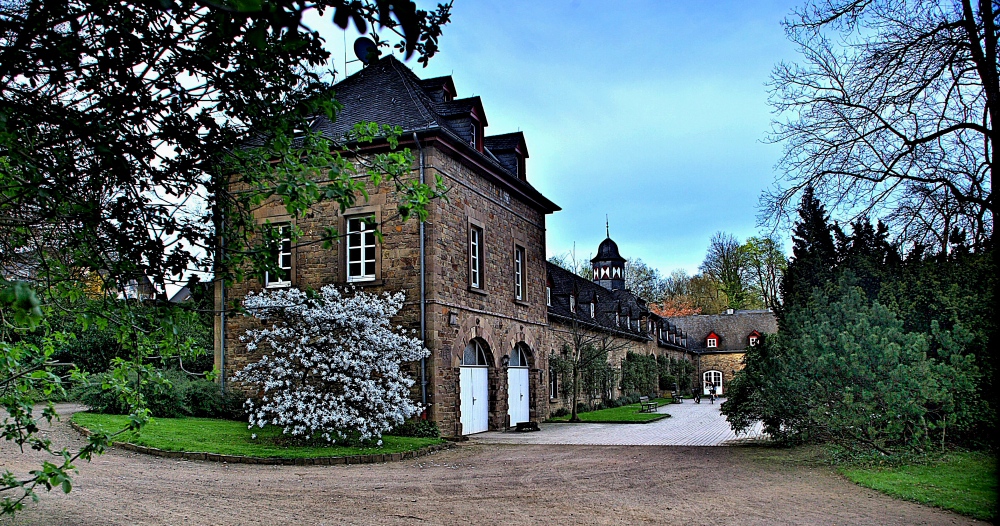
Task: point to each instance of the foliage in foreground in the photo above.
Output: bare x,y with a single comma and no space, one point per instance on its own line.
331,364
962,482
26,379
226,437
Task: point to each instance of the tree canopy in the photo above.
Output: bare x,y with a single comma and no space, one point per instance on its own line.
891,111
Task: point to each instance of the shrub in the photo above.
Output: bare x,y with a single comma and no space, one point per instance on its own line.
631,398
417,428
171,393
848,373
562,411
331,364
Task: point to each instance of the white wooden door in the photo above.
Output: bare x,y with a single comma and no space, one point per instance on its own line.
517,395
475,402
711,378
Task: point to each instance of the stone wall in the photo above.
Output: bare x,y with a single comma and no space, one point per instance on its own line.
724,362
457,313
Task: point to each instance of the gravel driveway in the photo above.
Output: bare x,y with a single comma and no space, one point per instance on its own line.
476,483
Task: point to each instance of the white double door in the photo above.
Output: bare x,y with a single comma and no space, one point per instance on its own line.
710,378
475,399
517,395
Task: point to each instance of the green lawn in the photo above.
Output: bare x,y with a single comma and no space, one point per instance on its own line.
626,414
961,482
225,437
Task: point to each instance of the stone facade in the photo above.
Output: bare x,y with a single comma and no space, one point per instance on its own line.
489,193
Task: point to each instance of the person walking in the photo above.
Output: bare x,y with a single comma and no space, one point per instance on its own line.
712,391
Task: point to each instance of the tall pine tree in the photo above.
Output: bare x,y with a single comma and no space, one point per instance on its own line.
814,255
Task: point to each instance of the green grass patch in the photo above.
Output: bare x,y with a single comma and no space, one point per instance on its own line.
626,414
962,482
226,437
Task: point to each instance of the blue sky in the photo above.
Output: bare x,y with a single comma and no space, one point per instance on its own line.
653,113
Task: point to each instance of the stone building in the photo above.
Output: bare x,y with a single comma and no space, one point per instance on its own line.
717,343
604,314
473,273
479,291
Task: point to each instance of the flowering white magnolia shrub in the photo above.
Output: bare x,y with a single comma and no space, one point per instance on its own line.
331,363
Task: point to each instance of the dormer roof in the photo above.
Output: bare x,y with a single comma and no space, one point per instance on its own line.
388,92
730,329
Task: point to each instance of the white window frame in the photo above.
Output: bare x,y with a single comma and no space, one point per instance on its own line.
711,343
519,281
753,341
476,253
572,303
284,250
367,252
592,309
548,295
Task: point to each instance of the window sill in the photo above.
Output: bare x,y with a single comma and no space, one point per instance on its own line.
366,283
522,303
279,285
479,291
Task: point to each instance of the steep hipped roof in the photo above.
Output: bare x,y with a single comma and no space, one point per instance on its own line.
387,92
732,329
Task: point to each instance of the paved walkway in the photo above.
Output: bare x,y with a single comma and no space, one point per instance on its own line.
690,424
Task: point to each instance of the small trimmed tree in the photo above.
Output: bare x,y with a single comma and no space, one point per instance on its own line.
331,364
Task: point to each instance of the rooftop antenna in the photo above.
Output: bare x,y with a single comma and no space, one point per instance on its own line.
366,50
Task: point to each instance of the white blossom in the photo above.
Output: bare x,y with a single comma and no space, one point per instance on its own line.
331,363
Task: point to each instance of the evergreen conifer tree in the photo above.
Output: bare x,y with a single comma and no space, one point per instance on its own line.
814,256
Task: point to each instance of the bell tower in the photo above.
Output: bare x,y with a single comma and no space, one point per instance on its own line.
608,265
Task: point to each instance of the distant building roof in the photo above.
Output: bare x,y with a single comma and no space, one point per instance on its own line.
733,329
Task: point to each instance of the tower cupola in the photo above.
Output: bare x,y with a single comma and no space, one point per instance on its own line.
609,266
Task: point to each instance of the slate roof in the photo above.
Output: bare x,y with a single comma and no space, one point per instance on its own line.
388,92
608,251
607,303
505,142
732,329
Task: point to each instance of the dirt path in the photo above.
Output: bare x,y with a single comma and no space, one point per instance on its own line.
479,484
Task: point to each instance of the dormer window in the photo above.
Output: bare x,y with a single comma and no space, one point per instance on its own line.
754,338
591,309
753,341
711,343
476,139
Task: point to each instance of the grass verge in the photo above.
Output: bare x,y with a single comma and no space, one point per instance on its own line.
626,414
226,437
962,482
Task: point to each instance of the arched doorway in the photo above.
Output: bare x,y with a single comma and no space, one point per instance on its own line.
518,378
473,386
710,378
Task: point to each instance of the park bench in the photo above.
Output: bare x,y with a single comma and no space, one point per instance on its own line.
646,405
675,397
